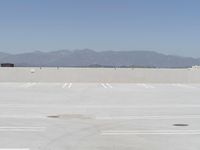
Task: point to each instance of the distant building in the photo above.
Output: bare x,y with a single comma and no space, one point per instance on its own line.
7,65
196,67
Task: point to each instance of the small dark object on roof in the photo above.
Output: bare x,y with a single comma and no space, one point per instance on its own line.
55,116
7,65
180,125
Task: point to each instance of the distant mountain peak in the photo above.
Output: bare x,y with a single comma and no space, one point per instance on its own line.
89,57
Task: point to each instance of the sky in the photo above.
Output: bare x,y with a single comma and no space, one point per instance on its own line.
166,26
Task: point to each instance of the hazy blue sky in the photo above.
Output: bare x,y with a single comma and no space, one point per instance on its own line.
168,26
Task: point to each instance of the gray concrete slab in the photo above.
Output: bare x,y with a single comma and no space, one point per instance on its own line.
112,75
99,116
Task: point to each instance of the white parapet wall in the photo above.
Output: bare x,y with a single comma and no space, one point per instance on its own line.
128,75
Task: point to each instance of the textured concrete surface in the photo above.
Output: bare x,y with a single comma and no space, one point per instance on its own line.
112,75
99,116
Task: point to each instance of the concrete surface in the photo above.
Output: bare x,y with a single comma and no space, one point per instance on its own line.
99,116
93,75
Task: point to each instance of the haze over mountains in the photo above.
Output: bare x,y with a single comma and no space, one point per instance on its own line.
91,58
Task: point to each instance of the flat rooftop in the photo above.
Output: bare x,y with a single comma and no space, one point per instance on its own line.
36,115
43,116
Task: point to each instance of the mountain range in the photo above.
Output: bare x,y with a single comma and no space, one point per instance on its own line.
91,58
